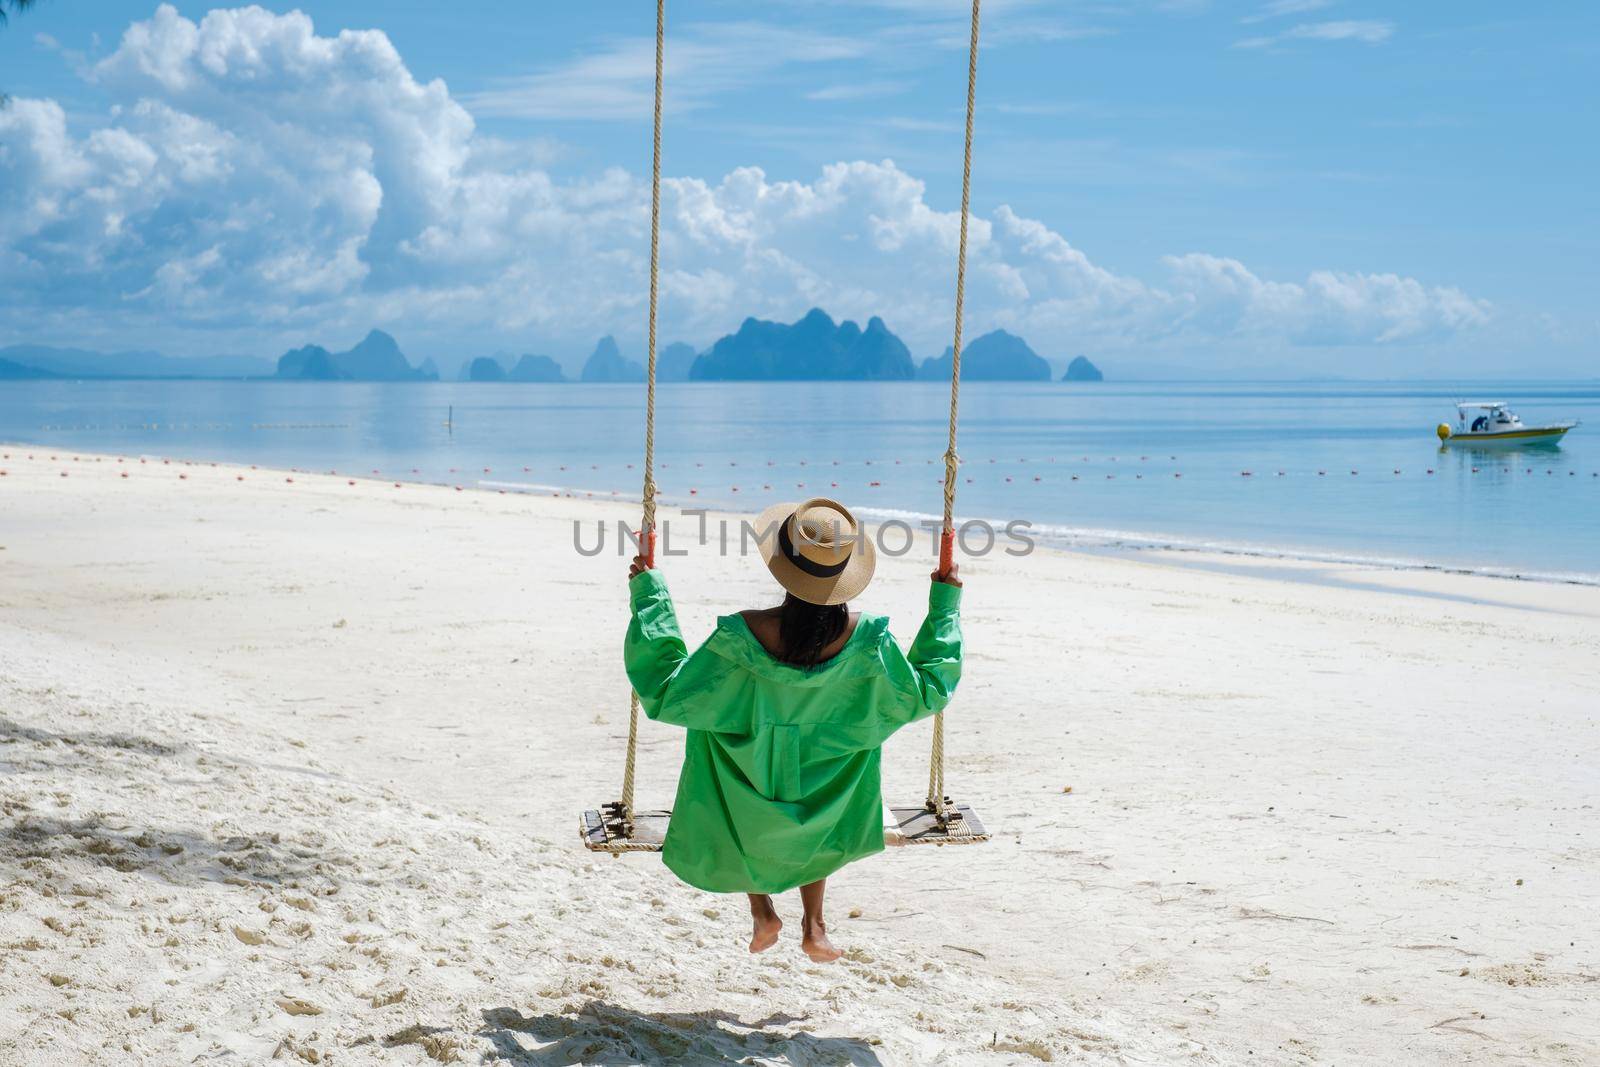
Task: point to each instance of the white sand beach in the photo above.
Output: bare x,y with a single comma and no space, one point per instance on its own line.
292,769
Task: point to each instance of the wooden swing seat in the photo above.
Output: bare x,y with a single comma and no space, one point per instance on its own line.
914,824
908,824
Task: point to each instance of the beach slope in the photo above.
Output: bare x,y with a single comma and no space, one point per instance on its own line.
290,767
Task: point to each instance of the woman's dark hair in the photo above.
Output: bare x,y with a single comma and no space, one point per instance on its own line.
805,629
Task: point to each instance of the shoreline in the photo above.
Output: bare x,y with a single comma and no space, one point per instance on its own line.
1177,550
1134,545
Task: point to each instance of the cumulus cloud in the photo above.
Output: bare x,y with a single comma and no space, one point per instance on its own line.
1329,308
258,184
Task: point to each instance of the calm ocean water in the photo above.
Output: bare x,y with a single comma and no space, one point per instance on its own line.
1338,470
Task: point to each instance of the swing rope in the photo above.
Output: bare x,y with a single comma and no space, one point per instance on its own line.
936,803
936,797
647,525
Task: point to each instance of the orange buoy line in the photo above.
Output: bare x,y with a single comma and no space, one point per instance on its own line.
874,483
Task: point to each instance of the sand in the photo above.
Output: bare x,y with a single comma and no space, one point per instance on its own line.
291,769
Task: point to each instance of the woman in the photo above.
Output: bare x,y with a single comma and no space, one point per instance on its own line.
786,709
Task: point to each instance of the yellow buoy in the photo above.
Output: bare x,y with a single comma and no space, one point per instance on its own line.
1444,431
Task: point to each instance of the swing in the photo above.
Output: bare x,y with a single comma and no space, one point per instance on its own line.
617,827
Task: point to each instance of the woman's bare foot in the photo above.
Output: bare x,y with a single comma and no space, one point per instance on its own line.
766,923
815,943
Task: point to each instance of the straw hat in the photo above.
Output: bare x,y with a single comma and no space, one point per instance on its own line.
816,550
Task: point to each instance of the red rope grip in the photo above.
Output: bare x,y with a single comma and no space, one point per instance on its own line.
647,547
947,539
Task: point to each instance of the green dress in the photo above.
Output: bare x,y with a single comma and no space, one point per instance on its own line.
780,781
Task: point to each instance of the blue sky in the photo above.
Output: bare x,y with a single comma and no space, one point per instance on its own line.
1288,186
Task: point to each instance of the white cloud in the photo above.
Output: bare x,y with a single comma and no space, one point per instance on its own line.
707,60
1364,31
1367,31
1280,8
1329,308
859,90
260,185
618,81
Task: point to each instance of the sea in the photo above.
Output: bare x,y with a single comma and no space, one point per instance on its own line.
1325,471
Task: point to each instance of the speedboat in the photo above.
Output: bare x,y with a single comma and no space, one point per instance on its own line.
1490,422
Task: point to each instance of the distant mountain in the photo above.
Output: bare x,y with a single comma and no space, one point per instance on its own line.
813,348
606,364
997,356
377,358
484,369
84,363
310,363
1081,370
673,362
15,372
809,350
536,369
